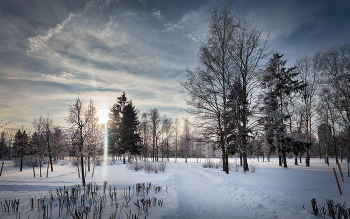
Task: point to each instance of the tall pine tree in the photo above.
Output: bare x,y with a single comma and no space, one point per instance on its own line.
4,151
114,125
278,85
21,146
122,127
129,137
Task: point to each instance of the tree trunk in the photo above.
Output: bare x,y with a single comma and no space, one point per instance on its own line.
326,154
245,161
20,169
157,149
223,160
341,155
176,144
88,163
153,146
307,160
240,159
50,156
284,159
186,152
296,160
167,150
279,158
227,168
82,169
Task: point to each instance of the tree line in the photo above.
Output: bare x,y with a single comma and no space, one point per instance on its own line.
152,136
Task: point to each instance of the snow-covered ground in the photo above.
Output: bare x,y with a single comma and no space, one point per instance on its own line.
189,190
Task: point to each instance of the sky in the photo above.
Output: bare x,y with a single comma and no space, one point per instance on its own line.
52,51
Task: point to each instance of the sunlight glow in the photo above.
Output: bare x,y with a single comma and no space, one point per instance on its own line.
103,119
103,116
105,148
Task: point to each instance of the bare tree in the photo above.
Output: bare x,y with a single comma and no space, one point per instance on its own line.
186,137
168,130
308,69
48,135
60,143
331,115
144,129
79,119
335,67
158,126
155,123
248,54
231,56
38,141
94,139
208,85
176,127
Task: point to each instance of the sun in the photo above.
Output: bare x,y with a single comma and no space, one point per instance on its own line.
103,116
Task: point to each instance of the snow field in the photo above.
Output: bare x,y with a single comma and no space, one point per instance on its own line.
191,191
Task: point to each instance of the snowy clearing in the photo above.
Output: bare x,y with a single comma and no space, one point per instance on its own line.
191,191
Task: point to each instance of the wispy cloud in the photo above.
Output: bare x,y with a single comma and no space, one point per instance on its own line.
157,14
35,43
142,1
62,76
188,17
193,38
110,27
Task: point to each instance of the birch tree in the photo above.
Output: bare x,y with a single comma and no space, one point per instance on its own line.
233,52
79,118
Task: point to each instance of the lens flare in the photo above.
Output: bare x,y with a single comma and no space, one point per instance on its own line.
105,150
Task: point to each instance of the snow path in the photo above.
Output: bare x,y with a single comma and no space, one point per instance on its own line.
195,192
200,195
210,193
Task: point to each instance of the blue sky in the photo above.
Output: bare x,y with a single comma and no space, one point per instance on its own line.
52,50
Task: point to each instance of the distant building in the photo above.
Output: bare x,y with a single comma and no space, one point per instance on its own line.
325,138
324,134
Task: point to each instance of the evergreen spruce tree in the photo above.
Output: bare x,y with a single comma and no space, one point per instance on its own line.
278,85
21,145
122,127
128,128
34,144
114,125
4,151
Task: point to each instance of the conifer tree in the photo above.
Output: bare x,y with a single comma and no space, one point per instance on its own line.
122,136
278,85
128,128
21,145
3,148
114,125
